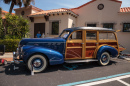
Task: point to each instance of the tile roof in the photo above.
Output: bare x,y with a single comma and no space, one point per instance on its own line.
35,8
125,9
47,12
5,12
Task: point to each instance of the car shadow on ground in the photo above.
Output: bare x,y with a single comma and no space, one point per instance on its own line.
9,68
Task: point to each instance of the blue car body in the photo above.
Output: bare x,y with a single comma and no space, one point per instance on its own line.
52,48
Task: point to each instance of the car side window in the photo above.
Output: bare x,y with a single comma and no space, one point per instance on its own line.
91,35
106,36
76,35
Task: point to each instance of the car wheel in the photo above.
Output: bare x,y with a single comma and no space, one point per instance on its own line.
104,59
39,63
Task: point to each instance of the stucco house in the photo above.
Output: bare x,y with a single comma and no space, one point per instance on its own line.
3,13
96,13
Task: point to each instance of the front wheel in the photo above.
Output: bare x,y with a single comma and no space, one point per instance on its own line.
104,59
39,63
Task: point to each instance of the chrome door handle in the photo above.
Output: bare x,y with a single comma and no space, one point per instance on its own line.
82,43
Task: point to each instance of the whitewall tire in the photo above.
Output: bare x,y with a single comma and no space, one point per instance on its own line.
39,63
104,59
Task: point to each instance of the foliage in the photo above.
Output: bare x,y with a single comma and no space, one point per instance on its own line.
15,27
10,44
1,28
18,3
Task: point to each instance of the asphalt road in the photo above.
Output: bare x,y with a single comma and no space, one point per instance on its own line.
63,74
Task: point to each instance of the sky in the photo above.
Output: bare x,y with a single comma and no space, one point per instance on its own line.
55,4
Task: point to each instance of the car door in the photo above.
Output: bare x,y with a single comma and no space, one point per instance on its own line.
91,44
74,45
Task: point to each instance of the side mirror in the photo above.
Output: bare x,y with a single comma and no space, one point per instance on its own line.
69,38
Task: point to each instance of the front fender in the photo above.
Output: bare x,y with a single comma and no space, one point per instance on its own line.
53,56
111,50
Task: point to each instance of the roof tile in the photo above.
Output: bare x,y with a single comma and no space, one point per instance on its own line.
125,9
53,11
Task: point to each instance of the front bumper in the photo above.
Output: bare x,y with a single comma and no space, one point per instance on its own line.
15,58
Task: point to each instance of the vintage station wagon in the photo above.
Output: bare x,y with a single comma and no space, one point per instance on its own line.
74,45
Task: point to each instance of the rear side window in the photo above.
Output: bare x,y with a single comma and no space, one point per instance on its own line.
106,36
91,35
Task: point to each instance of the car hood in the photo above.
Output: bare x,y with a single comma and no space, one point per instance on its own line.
28,41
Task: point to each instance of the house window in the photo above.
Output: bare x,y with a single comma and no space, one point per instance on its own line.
126,27
108,25
55,28
91,25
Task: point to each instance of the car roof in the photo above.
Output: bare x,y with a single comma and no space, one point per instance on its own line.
90,28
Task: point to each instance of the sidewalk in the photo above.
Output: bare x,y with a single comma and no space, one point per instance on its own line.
8,56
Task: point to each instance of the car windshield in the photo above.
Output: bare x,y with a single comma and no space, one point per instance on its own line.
64,34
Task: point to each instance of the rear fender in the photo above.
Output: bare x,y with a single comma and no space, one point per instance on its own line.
53,56
111,50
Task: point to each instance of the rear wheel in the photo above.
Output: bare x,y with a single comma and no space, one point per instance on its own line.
104,59
39,63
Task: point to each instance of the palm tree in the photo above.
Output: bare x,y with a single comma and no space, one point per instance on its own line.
18,3
0,10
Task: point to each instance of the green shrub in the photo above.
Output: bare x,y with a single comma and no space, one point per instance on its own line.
14,27
10,44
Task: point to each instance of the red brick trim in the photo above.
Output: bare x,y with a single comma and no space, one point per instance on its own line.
116,1
92,2
83,5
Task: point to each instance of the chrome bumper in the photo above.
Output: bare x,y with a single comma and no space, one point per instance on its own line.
15,55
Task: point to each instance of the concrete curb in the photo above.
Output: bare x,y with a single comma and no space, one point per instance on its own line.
7,55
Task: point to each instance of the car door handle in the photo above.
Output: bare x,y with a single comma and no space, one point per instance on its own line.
82,43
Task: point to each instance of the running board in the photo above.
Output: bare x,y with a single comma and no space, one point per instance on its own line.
78,61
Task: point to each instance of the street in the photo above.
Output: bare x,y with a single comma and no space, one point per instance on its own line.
66,73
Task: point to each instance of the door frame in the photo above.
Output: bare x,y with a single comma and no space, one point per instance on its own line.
96,42
44,29
75,41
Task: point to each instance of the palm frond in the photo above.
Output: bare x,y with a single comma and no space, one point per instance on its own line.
7,1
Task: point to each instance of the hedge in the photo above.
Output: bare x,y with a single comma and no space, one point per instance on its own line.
10,44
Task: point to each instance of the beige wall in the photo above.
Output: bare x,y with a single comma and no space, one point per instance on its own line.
123,37
91,14
71,21
63,24
27,11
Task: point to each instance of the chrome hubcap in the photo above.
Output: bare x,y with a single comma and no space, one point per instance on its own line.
37,63
104,58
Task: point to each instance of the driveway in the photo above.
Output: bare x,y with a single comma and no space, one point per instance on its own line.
64,74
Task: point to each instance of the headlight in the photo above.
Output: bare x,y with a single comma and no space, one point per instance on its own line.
21,49
17,50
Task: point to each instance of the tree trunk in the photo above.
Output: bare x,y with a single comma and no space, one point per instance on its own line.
11,7
0,10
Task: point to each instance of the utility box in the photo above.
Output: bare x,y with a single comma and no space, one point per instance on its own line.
2,49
